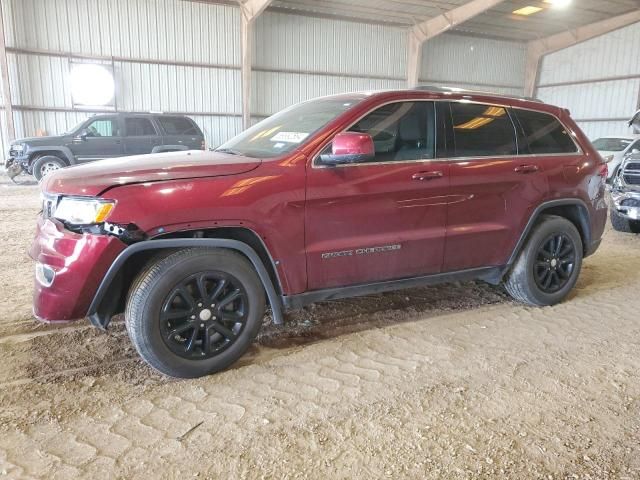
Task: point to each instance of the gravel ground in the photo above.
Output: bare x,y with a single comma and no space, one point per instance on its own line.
454,381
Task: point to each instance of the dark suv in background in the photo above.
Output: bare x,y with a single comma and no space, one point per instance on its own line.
104,136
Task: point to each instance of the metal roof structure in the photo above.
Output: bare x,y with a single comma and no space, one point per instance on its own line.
497,22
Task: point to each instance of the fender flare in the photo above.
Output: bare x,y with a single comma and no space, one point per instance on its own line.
169,148
586,224
65,151
102,319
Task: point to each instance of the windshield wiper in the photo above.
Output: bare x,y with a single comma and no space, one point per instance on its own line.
230,151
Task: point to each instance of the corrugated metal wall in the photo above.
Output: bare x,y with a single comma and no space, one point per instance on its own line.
598,80
179,56
167,55
474,63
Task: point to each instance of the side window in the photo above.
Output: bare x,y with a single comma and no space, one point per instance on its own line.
103,127
544,133
482,130
138,127
400,131
178,126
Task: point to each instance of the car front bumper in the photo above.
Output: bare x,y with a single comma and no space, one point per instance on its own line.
69,268
627,203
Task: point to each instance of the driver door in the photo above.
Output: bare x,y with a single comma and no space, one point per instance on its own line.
383,219
103,140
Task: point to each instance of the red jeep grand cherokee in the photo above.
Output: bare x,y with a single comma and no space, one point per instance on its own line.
335,197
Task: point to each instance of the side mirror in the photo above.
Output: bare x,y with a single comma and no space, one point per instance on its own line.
349,147
635,151
84,133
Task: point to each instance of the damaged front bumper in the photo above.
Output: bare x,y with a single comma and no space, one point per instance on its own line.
69,268
14,166
627,203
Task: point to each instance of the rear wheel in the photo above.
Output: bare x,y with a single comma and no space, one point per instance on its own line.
195,312
43,166
548,266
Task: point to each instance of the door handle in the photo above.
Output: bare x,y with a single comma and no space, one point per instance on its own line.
427,175
526,169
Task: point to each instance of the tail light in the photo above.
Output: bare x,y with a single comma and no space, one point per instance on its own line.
604,171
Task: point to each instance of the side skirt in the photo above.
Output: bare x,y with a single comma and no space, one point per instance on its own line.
491,275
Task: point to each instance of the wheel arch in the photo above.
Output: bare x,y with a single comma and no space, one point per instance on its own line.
63,153
573,209
113,288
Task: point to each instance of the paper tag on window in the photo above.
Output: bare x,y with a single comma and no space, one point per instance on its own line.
289,137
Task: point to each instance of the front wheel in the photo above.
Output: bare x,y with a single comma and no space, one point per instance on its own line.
43,166
195,312
623,224
548,266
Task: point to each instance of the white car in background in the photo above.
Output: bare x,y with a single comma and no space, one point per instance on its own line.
614,149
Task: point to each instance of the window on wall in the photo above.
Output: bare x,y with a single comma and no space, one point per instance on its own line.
139,127
400,131
544,133
103,127
482,130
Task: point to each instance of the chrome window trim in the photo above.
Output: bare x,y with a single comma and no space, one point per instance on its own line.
578,152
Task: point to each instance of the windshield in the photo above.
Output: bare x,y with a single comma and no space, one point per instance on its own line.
611,144
288,129
72,130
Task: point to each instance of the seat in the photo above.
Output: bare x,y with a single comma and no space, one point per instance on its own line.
411,141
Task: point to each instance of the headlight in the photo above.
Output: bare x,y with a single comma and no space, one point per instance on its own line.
83,211
18,147
608,158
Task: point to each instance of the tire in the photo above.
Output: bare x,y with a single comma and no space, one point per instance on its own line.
526,280
622,224
185,337
47,164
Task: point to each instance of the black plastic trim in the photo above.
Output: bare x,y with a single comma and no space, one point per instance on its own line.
102,319
536,214
489,274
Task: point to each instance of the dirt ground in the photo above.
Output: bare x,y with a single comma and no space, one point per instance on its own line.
454,381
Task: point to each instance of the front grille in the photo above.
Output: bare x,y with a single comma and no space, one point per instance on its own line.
631,173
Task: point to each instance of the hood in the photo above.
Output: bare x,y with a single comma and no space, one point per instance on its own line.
35,141
93,178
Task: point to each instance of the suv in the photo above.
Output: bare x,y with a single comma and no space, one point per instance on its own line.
615,149
104,136
625,196
335,197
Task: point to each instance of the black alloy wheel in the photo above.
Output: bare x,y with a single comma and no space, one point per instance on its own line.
555,261
203,315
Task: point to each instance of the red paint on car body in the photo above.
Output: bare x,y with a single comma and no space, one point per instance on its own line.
445,215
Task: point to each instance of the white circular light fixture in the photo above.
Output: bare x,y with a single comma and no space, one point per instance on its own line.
91,84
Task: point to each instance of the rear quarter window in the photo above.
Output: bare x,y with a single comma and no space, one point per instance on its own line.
544,133
178,126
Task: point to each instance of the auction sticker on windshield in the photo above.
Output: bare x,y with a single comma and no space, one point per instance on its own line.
289,137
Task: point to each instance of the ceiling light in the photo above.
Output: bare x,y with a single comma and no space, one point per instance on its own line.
528,10
558,3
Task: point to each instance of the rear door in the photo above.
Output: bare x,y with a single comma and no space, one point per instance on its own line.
140,135
103,140
492,188
180,131
383,219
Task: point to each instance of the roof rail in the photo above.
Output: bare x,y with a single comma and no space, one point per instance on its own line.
439,89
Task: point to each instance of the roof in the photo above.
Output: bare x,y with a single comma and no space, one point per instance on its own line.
498,22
